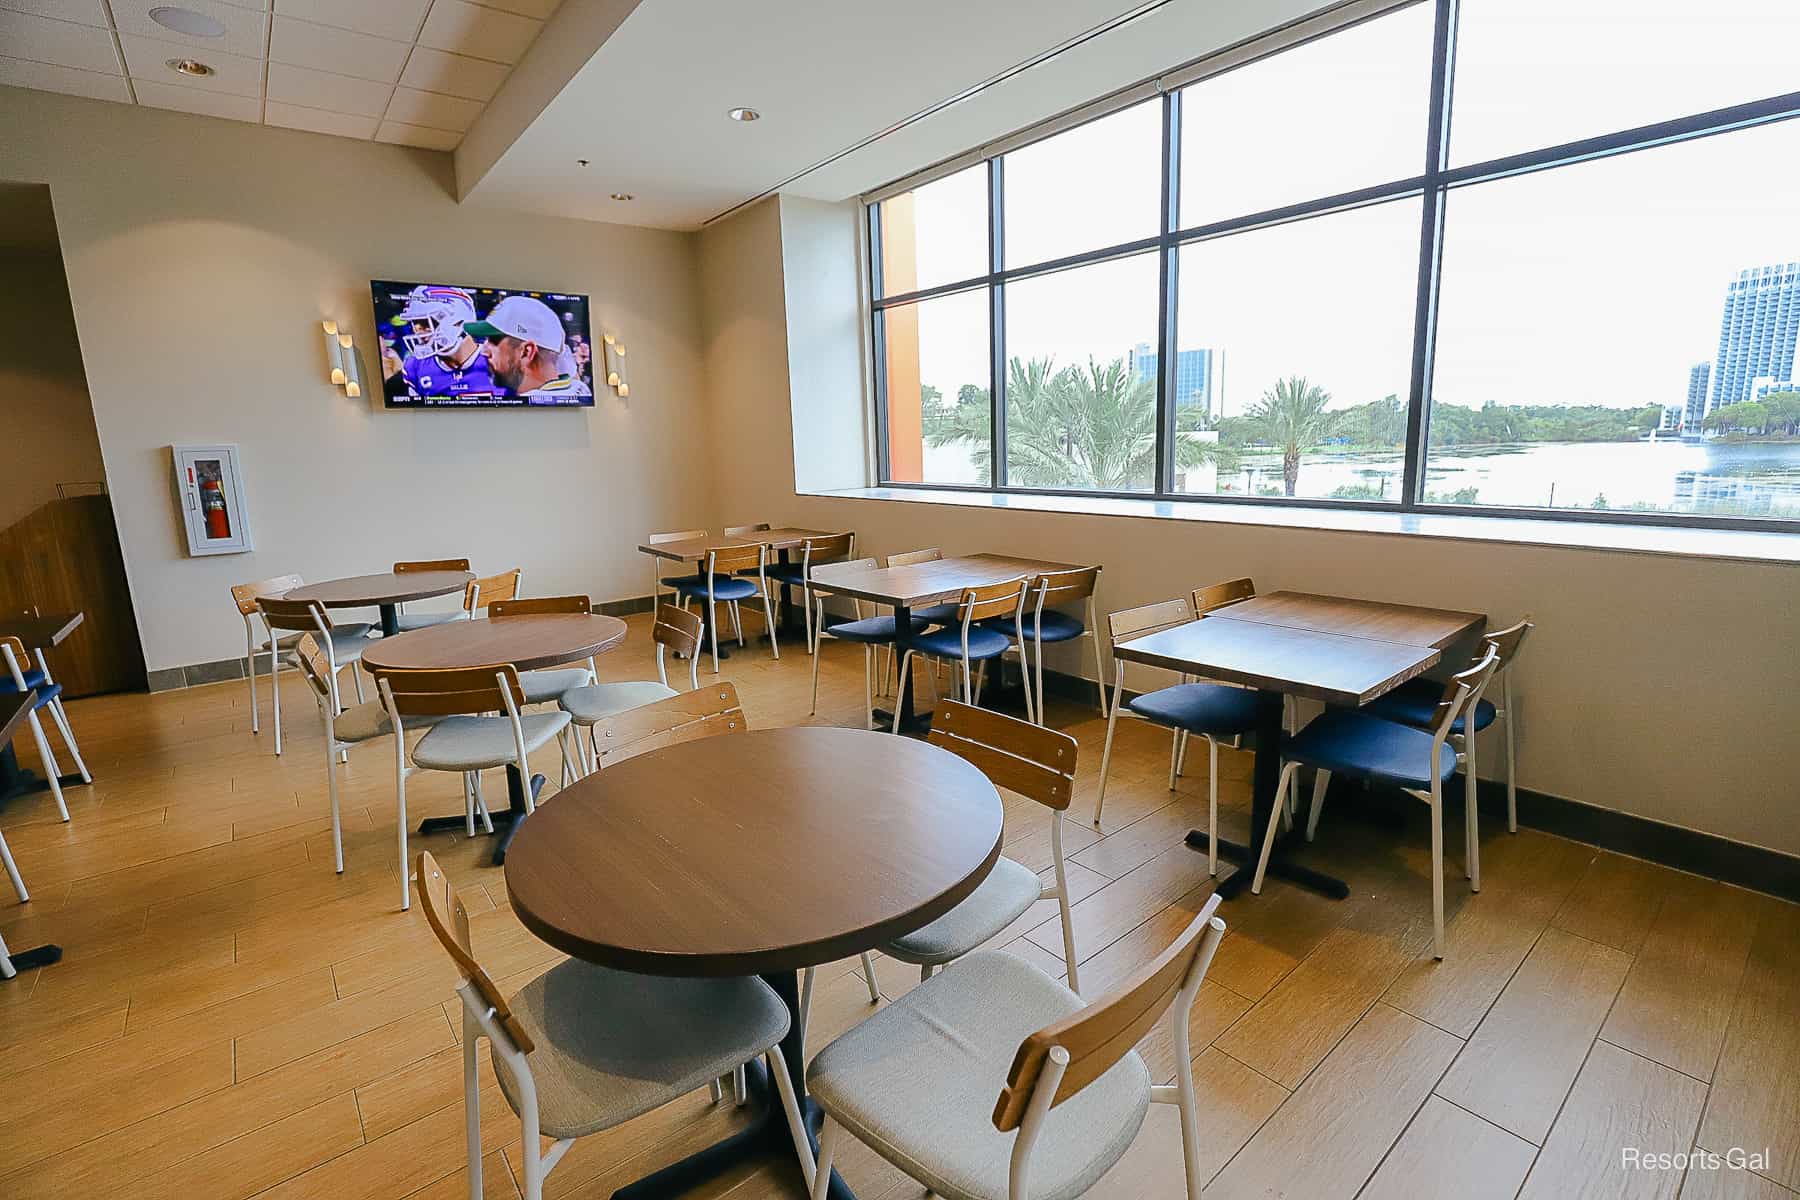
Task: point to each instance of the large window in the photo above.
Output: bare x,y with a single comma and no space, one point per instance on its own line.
1460,255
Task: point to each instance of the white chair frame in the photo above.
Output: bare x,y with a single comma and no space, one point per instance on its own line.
971,682
658,565
277,653
737,623
7,970
52,772
1039,587
817,630
806,591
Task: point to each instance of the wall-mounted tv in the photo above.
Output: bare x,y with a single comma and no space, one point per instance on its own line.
450,346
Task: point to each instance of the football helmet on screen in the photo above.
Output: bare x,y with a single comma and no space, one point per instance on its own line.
442,310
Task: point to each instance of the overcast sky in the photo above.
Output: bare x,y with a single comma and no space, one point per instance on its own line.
1597,283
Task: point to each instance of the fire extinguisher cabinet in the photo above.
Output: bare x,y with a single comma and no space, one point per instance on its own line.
209,485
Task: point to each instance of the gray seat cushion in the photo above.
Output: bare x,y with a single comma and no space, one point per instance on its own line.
1008,890
592,703
917,1082
612,1046
362,722
424,620
476,743
346,641
541,687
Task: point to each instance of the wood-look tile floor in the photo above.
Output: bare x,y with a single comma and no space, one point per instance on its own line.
234,1020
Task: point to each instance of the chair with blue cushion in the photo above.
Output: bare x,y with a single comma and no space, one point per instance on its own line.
657,580
721,583
1415,703
1417,761
868,632
969,640
1215,711
814,552
1042,622
23,675
935,614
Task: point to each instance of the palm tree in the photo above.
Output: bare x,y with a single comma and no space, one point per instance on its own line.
1292,415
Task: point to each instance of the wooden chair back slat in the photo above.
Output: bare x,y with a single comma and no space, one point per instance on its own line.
449,920
1218,595
1461,688
1105,1031
677,629
991,600
1063,587
1506,642
245,595
677,535
315,668
1036,762
308,615
745,530
431,564
1149,618
724,560
908,558
826,572
489,588
817,551
451,691
499,610
18,652
701,713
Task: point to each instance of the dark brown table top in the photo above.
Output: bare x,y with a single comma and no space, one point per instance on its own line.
1333,667
360,591
919,584
1403,623
696,549
767,850
13,708
528,641
46,630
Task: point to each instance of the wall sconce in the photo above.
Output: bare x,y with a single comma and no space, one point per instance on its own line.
615,365
340,352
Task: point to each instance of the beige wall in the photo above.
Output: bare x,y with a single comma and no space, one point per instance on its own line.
201,256
1662,686
44,407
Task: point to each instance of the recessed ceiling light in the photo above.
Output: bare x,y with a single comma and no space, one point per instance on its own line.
623,196
744,114
186,20
188,66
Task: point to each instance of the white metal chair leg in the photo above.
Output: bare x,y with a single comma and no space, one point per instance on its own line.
1112,723
12,871
61,716
868,966
1436,800
472,1103
712,628
1321,781
1174,756
52,772
740,1087
769,620
250,665
737,623
331,785
806,602
1471,817
900,682
868,685
814,711
1512,795
356,678
1281,791
275,689
481,807
400,827
790,1106
829,1132
715,1089
1212,807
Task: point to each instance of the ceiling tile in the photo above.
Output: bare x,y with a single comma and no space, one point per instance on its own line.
322,89
397,19
46,78
478,32
314,120
541,9
452,74
59,43
194,100
402,134
245,30
148,59
324,48
85,12
428,108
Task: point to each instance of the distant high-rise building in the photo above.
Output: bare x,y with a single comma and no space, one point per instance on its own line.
1695,409
1758,333
1197,372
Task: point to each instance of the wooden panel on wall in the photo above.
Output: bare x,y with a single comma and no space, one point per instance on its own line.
65,557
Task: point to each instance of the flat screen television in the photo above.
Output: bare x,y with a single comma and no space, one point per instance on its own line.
450,346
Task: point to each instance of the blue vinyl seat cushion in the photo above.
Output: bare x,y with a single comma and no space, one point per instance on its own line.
698,577
1210,708
1356,743
786,572
46,692
725,587
1056,626
874,630
936,614
33,678
1415,703
947,643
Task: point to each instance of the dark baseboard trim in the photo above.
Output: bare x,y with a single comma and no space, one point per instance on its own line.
626,607
1754,867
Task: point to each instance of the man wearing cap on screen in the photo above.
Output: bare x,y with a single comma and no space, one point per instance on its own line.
527,351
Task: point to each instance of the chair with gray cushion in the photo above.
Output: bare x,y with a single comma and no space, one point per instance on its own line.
478,593
405,621
671,629
277,647
459,741
917,1081
550,685
342,644
584,1048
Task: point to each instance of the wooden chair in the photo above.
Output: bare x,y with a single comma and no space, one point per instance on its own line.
909,1082
343,645
584,1048
657,581
459,740
814,552
548,685
1041,622
967,640
935,614
684,717
1212,710
869,632
746,530
22,676
407,621
245,596
1355,743
733,574
431,564
489,588
671,629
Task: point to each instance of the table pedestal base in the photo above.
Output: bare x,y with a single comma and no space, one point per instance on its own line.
1280,867
506,822
37,956
21,781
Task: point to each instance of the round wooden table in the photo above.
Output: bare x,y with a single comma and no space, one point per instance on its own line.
385,591
529,641
757,853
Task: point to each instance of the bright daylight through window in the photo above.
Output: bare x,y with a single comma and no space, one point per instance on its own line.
1575,291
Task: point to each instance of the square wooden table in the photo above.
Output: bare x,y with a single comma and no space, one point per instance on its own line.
1329,648
919,585
782,541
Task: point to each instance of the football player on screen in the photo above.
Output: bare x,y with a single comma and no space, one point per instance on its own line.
442,359
528,352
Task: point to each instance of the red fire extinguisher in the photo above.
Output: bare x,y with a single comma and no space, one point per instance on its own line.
212,503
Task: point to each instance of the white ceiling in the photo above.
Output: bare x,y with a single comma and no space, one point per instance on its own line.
415,72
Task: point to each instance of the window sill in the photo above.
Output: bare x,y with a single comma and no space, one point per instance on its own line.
1740,545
